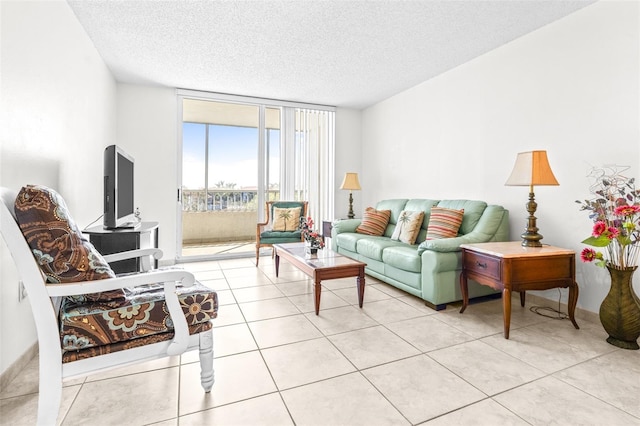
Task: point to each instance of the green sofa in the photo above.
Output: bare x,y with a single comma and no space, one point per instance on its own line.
428,269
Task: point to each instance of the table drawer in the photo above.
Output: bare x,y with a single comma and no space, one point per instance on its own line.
539,269
482,264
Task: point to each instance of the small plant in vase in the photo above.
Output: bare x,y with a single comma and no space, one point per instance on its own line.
313,240
615,211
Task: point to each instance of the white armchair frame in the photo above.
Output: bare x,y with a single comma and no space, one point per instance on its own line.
45,302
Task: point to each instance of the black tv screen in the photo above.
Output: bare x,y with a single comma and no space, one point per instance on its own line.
118,189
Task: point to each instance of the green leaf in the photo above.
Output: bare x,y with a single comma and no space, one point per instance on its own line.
624,241
601,241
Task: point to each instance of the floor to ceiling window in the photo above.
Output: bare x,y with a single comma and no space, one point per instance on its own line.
237,153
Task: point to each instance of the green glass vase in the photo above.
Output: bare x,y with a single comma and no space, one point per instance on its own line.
620,310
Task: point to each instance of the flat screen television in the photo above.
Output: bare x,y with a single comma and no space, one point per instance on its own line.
119,211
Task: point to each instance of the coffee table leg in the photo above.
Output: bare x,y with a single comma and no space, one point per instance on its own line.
361,288
317,289
277,264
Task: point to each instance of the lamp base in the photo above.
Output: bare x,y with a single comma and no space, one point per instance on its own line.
351,215
531,238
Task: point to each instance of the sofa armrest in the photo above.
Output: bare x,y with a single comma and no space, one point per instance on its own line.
446,245
340,227
492,226
345,225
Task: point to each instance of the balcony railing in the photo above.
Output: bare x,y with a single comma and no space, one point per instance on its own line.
220,215
219,199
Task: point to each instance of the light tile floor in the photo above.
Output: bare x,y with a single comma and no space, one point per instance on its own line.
394,362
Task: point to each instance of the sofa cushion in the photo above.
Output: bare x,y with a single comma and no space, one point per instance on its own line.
275,237
374,222
286,219
408,226
473,210
63,253
349,240
372,247
402,257
444,223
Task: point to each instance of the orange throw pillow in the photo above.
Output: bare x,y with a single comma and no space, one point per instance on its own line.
374,222
444,223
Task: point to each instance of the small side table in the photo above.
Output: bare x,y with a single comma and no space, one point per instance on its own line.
327,226
508,266
108,241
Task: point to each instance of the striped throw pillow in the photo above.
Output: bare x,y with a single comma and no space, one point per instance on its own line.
374,222
444,223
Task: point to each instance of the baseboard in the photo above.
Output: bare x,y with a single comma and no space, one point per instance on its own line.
14,369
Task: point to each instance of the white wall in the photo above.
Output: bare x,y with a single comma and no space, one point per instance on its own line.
148,131
57,115
570,88
348,158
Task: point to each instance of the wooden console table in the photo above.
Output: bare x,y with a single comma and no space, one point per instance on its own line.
508,266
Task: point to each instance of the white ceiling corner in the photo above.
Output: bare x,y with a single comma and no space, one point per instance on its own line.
331,52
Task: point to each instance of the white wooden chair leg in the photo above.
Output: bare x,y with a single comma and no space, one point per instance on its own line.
50,391
206,360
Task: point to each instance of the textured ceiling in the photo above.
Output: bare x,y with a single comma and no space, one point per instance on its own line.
343,53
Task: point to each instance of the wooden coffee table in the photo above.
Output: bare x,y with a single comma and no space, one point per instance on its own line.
327,265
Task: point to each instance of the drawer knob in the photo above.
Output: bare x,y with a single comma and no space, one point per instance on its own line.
481,265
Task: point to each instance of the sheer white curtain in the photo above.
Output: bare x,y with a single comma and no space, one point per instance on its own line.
314,161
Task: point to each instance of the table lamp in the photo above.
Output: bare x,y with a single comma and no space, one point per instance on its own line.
351,183
531,168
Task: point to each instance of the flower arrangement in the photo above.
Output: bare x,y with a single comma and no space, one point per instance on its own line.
615,211
312,237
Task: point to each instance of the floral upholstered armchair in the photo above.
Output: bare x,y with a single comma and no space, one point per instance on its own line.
281,225
87,318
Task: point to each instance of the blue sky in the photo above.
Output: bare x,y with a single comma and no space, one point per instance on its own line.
233,155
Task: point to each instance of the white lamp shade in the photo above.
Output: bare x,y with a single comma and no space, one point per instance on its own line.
350,182
531,168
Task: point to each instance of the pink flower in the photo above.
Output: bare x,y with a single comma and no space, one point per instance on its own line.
627,210
588,255
612,232
598,228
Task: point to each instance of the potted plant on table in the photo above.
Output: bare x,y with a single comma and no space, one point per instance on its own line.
313,240
615,211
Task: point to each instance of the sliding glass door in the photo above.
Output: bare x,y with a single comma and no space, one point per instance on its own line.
236,156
